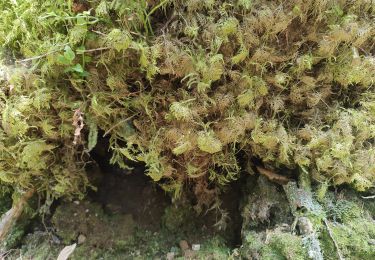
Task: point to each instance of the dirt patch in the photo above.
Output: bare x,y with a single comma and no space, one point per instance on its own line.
132,193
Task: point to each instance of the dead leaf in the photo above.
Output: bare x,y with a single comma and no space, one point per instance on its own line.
66,252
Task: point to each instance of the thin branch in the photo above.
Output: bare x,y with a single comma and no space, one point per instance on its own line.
98,32
43,55
48,53
37,57
334,241
94,50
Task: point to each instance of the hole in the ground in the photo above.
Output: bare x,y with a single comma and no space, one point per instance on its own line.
127,191
133,192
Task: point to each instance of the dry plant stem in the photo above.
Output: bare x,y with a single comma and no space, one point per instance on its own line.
37,57
334,241
12,215
272,176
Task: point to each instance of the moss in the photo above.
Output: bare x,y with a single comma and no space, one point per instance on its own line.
284,246
352,227
252,244
355,240
191,89
37,246
274,245
345,211
5,199
175,218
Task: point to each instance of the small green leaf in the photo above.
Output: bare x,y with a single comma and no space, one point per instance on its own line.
93,136
77,68
61,59
69,54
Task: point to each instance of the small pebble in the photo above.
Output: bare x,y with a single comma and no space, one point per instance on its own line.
305,226
56,240
81,239
196,247
76,202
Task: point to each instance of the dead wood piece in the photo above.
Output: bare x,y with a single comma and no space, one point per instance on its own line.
12,215
272,176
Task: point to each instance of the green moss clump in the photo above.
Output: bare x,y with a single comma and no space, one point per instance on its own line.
284,246
279,245
354,238
184,87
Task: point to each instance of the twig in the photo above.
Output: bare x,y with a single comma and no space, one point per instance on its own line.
272,176
98,32
12,215
36,57
48,53
93,50
42,55
116,125
334,241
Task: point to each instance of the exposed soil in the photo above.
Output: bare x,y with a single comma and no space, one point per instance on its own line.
132,192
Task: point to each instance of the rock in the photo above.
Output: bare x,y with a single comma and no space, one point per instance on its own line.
56,240
81,239
305,226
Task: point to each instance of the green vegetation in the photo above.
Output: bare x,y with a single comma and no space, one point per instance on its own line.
197,91
292,87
